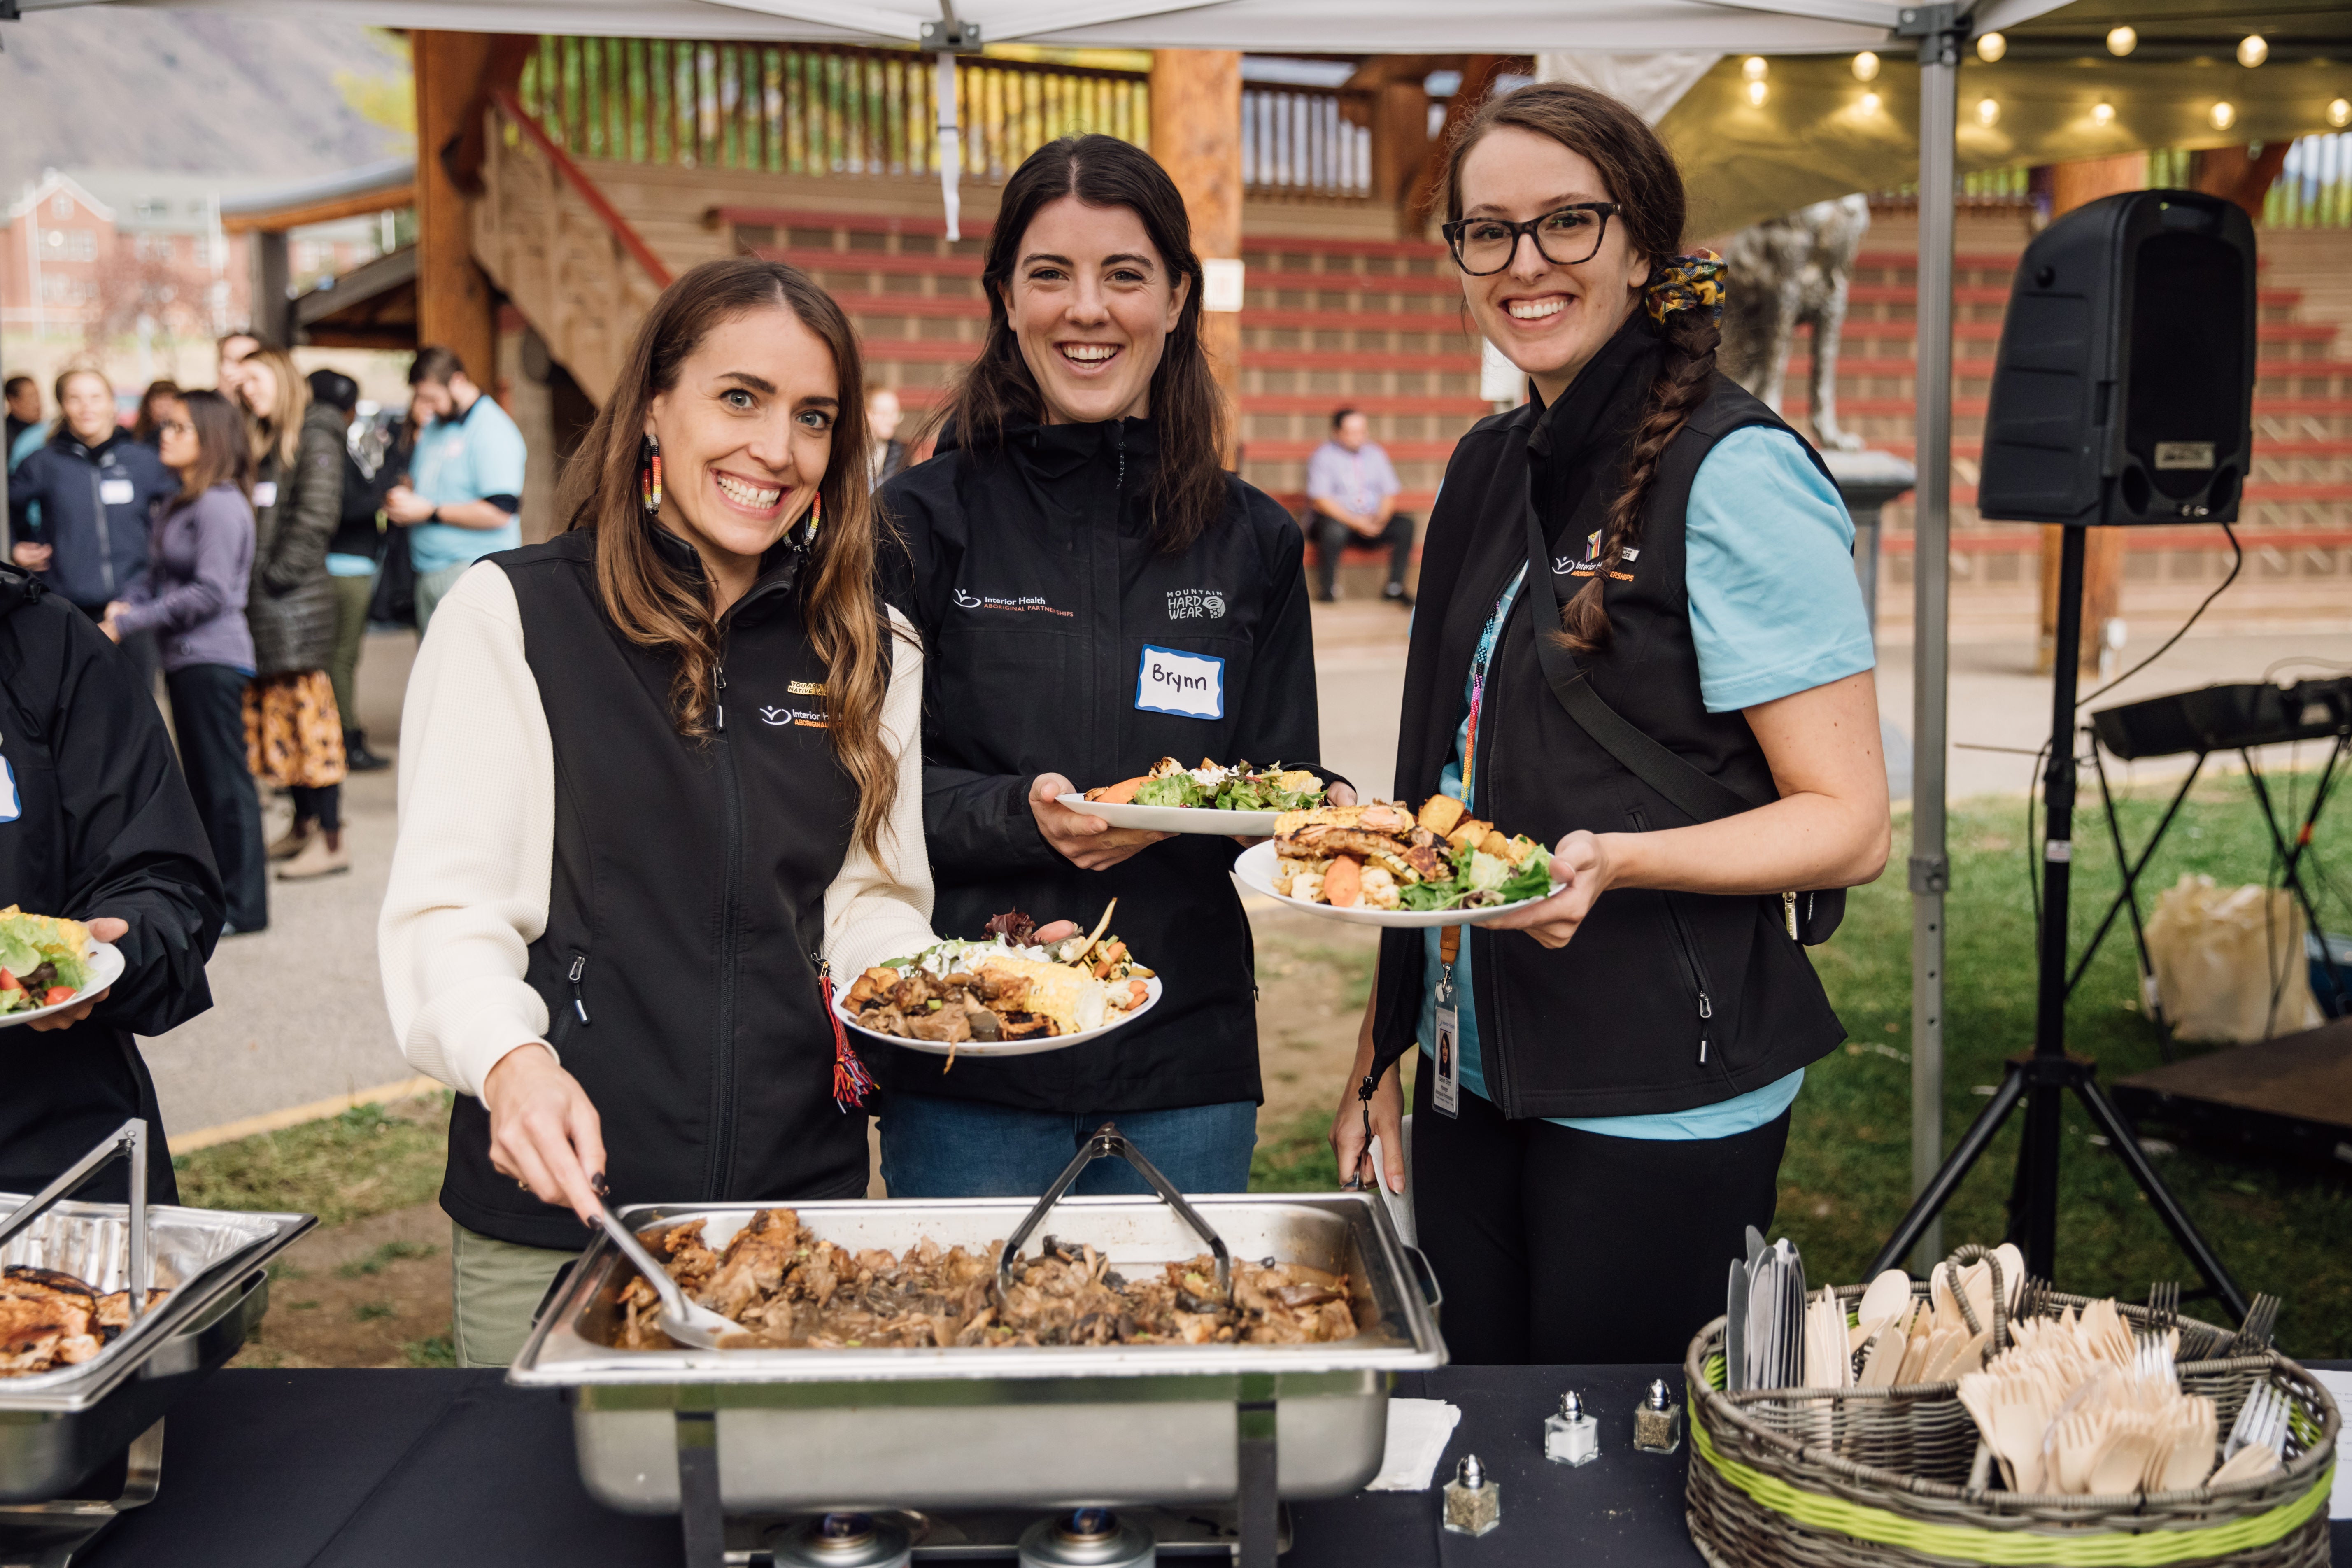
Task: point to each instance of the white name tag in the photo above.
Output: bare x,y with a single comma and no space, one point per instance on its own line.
1191,684
115,492
266,493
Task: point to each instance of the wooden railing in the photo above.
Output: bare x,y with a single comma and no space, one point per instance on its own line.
814,109
1310,142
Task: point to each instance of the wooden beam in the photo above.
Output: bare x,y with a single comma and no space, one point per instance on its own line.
277,220
2071,185
455,304
1478,74
1196,135
2240,174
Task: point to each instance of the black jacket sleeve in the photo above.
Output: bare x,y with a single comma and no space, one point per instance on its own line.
1280,721
135,847
25,488
979,825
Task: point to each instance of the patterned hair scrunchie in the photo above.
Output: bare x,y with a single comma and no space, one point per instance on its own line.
1686,283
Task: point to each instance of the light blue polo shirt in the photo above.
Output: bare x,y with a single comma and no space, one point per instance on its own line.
477,455
1775,609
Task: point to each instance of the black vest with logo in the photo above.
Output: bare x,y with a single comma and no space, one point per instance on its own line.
1663,1001
685,911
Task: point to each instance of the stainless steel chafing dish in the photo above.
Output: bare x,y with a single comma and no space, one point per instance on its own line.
55,1428
856,1430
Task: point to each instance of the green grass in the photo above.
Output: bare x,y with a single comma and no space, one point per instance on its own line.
370,1159
390,1252
441,1350
1845,1180
368,1312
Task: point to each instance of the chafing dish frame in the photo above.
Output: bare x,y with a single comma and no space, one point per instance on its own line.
705,1433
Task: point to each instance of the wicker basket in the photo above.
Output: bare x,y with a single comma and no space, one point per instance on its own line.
1855,1477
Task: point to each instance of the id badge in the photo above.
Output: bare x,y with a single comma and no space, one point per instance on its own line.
265,494
116,493
1447,1095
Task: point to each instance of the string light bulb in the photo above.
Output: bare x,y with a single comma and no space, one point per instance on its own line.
2339,113
1990,47
1753,68
2122,41
2103,113
2252,51
1870,103
1988,113
1865,66
2223,115
1756,94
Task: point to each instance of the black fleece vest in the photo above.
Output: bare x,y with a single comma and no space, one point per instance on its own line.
685,912
1663,1001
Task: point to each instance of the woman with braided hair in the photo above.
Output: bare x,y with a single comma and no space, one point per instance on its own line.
1641,637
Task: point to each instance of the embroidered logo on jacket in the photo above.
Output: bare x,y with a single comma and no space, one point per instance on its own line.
966,600
1569,566
807,718
1195,604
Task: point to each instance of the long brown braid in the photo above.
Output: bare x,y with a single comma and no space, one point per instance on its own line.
1638,174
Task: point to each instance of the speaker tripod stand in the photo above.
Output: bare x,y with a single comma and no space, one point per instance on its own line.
2040,1080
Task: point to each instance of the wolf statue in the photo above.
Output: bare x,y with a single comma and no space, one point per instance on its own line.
1784,272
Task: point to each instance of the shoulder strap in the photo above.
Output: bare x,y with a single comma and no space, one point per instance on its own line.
1699,795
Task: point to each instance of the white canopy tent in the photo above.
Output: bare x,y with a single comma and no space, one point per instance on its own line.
1935,33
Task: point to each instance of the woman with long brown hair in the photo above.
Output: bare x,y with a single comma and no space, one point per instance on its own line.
653,774
1640,634
1079,527
294,734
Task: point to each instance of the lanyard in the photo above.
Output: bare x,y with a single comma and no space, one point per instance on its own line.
1449,941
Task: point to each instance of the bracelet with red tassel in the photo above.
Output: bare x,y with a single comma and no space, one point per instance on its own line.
851,1080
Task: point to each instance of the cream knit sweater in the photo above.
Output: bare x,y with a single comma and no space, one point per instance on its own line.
471,869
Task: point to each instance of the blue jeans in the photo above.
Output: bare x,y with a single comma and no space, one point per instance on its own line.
937,1148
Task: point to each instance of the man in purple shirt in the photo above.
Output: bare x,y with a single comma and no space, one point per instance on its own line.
1353,493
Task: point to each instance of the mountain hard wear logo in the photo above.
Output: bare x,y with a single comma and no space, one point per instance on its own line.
1195,604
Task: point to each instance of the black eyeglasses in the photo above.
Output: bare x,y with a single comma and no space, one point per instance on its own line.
175,426
1564,236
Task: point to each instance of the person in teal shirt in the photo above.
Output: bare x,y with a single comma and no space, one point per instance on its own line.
464,477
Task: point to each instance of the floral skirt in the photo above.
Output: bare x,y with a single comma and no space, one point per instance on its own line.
293,736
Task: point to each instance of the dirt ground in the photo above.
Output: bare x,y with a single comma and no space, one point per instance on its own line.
1313,977
374,1292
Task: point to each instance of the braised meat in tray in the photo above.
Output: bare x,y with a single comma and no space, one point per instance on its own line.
790,1290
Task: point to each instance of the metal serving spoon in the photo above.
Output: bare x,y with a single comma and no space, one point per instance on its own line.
681,1318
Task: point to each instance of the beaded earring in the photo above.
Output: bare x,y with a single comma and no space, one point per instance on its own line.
815,515
649,477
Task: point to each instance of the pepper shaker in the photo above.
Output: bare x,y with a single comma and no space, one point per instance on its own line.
1658,1421
1474,1505
1572,1437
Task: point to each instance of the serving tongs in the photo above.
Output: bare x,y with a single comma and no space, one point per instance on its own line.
126,1142
681,1318
1108,1139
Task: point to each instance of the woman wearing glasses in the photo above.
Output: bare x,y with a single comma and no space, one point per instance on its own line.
1642,531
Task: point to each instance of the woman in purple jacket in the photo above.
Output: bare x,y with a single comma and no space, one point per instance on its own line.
200,555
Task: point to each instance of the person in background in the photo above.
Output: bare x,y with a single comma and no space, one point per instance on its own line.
100,829
882,416
24,395
79,506
191,601
353,554
464,478
230,351
159,397
293,729
1352,491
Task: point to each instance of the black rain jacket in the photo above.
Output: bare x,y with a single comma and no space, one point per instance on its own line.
1030,573
94,503
104,825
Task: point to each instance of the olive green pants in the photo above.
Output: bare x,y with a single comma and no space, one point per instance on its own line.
495,1290
351,596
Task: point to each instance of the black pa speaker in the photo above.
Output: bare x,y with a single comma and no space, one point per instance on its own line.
2123,390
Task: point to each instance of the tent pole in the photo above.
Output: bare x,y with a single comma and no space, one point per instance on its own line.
1941,33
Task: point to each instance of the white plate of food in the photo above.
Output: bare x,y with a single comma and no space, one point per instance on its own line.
1389,867
48,965
948,999
1236,800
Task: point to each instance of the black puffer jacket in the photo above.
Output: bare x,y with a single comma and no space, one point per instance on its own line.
291,606
102,825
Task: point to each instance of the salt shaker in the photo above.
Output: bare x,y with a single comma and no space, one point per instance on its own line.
1472,1504
1658,1421
1572,1437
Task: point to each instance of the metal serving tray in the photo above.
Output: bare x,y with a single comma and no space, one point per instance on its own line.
58,1427
1046,1427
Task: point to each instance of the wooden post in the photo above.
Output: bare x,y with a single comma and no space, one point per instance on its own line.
1196,135
455,304
2240,174
2073,185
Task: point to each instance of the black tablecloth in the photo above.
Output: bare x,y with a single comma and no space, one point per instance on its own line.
453,1469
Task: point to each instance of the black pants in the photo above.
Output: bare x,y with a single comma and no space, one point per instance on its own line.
1556,1245
208,712
1332,536
321,805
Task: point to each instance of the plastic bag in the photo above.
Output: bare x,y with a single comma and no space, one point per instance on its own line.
2230,966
